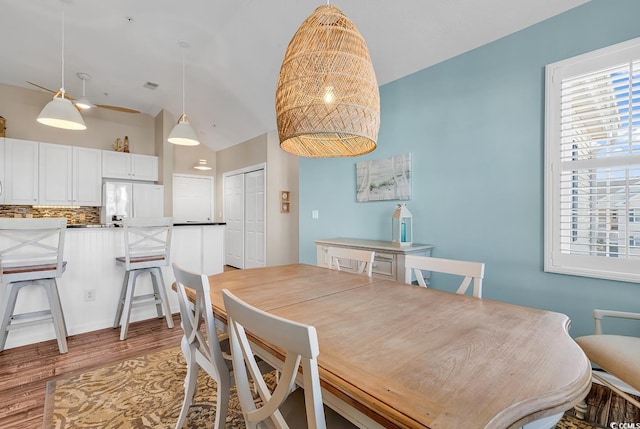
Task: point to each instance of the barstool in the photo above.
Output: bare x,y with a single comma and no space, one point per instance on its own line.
31,254
147,243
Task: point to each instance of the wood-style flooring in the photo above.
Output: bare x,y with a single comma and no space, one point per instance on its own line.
24,371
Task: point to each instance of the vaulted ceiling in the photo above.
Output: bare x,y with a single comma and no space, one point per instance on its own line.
235,49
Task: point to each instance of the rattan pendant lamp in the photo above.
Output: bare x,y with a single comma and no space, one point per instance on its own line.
327,99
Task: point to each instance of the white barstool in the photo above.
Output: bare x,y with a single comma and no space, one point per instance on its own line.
147,244
31,254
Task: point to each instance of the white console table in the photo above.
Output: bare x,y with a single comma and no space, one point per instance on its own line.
389,258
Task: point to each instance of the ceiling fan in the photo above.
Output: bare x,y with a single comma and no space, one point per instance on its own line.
83,102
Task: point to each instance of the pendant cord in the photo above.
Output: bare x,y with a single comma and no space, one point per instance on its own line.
62,87
183,91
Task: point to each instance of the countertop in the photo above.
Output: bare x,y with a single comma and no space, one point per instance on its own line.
110,225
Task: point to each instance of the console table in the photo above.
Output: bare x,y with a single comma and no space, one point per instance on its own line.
389,258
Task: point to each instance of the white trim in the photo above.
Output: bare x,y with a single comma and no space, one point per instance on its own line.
555,261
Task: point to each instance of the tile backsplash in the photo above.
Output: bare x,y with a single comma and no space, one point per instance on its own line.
81,215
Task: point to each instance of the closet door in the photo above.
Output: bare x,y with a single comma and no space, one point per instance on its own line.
234,217
254,221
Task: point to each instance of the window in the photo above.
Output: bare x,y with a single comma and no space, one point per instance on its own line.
592,164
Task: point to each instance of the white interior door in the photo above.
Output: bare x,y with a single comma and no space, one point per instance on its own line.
234,217
254,255
192,198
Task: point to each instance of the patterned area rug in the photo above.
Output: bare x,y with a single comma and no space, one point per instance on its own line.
147,392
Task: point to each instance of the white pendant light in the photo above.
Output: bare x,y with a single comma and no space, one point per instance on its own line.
60,112
202,165
182,133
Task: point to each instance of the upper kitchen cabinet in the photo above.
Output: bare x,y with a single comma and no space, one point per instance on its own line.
56,176
21,172
69,175
130,166
87,177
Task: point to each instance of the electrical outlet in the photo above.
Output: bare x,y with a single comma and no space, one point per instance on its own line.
89,294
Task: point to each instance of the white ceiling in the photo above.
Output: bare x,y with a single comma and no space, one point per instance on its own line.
236,48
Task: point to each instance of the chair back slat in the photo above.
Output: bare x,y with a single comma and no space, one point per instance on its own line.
471,271
201,313
147,241
364,258
300,343
37,243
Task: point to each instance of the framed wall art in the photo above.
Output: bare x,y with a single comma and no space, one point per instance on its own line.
384,179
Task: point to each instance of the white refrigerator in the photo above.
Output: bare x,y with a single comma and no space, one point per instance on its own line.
127,199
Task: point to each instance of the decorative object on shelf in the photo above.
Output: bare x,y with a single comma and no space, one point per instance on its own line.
327,98
402,226
125,147
60,112
182,133
118,146
384,179
3,127
285,204
202,165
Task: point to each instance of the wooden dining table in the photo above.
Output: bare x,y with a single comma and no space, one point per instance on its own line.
401,356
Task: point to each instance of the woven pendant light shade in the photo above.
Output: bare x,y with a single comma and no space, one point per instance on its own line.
327,99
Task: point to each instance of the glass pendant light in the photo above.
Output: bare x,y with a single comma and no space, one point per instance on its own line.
182,133
60,112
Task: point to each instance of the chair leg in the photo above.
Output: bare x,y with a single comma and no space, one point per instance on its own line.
191,382
156,291
57,315
162,291
222,403
123,291
126,309
8,305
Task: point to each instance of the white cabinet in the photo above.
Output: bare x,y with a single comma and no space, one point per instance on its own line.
21,172
55,174
69,175
388,261
87,177
130,166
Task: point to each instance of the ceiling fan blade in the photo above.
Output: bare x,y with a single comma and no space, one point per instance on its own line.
55,93
116,108
42,87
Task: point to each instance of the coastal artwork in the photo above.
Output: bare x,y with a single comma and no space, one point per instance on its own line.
384,179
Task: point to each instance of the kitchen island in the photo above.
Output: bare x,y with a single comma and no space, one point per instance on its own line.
90,287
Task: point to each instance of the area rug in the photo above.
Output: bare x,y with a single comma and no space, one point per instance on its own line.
147,392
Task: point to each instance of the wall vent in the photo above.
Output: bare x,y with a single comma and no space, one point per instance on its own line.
150,85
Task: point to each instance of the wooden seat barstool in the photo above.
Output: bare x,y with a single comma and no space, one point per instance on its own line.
147,243
31,252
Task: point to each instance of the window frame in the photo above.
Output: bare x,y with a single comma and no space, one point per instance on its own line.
555,261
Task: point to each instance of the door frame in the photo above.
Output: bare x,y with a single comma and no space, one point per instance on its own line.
244,170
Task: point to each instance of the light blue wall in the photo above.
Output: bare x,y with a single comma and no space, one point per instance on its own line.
474,126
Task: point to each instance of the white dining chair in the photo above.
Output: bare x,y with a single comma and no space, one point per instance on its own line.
363,258
147,245
615,355
31,252
282,408
206,349
469,270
